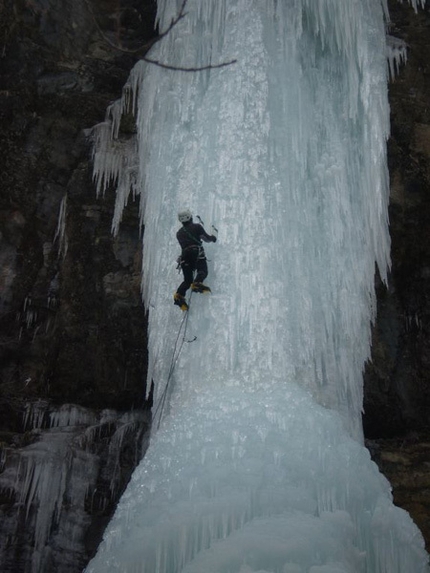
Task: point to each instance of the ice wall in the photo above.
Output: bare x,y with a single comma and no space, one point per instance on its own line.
258,463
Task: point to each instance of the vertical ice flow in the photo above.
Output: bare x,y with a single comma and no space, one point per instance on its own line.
258,464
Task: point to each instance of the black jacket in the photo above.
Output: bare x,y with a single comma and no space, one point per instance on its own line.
192,234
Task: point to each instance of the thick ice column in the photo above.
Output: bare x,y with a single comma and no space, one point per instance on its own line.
286,151
258,463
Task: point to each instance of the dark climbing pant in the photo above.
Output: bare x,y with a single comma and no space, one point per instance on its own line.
192,260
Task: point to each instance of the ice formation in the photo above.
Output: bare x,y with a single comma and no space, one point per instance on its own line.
54,480
258,463
396,54
60,233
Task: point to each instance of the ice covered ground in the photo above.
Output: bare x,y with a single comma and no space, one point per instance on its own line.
258,463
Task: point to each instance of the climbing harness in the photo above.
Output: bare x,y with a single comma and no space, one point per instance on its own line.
176,352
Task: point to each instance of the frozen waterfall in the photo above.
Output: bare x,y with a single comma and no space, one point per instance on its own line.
258,463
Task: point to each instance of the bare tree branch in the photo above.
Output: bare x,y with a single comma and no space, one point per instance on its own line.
146,47
173,23
179,69
105,38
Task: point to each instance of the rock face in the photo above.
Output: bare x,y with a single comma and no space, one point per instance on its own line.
71,315
405,462
397,382
73,417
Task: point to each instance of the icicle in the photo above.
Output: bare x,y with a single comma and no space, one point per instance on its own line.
114,155
416,4
60,233
397,55
34,415
71,415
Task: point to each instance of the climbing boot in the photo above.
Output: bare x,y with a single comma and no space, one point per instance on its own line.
180,301
200,287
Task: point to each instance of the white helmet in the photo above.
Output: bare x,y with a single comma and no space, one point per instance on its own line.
185,216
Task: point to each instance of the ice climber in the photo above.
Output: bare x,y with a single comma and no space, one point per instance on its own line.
193,258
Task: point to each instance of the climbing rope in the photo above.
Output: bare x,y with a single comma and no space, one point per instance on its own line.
175,356
177,350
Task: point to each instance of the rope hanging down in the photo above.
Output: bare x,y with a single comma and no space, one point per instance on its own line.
175,356
176,353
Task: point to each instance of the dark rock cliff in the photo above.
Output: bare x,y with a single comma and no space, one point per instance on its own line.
73,417
72,324
398,393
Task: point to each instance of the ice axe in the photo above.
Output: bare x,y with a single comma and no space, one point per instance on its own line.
214,229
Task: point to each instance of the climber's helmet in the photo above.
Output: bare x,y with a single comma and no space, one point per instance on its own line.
185,216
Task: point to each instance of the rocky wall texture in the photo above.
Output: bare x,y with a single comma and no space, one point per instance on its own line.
73,418
72,321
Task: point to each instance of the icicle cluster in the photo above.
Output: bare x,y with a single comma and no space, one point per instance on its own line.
115,155
60,233
55,475
396,54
